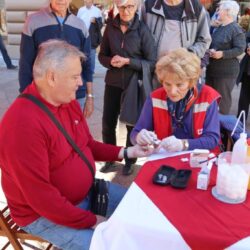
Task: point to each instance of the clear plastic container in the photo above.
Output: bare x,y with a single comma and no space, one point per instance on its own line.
232,180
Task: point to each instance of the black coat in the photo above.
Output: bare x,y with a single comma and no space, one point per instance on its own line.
95,32
245,62
134,96
136,43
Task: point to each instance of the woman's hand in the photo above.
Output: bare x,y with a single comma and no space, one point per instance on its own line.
145,138
216,54
172,144
119,61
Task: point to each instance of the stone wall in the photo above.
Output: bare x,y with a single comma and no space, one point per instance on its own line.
2,2
16,13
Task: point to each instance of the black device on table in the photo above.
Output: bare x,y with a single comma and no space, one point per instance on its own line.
168,175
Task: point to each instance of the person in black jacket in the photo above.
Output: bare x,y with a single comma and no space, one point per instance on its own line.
126,43
244,78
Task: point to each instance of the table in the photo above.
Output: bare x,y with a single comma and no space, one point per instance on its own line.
154,217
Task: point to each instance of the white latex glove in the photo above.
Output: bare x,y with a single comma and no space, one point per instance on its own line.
171,144
145,138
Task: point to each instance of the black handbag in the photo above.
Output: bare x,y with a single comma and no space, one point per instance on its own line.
99,191
100,197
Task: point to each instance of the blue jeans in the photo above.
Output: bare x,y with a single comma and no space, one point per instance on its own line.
4,52
69,238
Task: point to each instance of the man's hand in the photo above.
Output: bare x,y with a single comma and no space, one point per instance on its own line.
88,107
100,219
172,144
139,151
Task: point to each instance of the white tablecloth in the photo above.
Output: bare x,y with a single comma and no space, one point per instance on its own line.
137,224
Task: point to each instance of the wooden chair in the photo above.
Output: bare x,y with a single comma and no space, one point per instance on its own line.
16,236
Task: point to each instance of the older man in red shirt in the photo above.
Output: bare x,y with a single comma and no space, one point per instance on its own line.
46,182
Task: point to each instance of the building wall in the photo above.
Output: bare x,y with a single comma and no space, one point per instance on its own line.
16,13
2,2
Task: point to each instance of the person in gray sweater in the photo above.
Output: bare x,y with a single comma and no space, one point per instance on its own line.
228,42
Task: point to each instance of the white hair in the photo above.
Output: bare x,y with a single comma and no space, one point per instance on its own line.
123,2
52,54
231,6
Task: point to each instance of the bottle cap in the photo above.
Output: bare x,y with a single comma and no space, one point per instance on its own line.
243,135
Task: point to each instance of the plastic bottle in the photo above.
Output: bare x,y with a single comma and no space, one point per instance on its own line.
248,159
239,154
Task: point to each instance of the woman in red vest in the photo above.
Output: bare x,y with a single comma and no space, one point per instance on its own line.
182,114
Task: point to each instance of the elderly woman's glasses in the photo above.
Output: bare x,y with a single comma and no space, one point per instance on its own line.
128,8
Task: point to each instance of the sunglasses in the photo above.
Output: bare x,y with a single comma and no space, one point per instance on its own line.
128,8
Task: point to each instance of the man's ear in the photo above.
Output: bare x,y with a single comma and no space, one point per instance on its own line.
50,77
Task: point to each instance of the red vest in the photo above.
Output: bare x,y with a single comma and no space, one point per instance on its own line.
162,118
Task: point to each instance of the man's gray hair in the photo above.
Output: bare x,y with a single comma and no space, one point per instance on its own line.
52,54
231,6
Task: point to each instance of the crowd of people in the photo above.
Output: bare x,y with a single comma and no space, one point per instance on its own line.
168,58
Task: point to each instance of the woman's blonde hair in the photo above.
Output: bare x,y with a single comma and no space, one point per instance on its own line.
244,22
183,64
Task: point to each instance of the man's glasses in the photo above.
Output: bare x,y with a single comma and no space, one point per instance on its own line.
129,8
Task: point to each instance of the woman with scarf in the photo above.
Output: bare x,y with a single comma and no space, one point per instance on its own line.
126,46
182,114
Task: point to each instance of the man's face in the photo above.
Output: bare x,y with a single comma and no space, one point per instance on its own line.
127,11
60,6
88,3
176,90
66,81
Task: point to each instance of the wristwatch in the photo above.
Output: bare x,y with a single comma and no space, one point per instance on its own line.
185,145
90,96
125,154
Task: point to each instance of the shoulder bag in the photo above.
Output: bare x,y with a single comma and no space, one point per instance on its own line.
99,192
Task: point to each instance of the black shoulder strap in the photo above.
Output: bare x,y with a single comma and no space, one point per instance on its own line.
60,127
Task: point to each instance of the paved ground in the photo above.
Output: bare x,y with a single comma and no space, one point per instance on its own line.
9,91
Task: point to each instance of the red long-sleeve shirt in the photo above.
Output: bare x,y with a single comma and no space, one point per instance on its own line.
42,175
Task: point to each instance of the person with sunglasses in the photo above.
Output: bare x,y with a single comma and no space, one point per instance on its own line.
126,46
